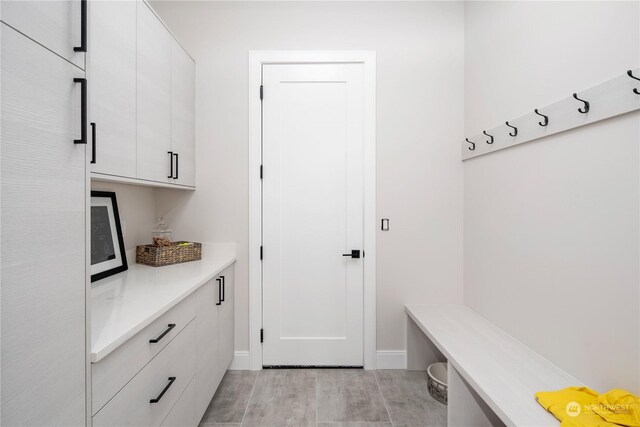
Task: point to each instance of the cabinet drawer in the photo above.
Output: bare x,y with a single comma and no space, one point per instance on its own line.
164,379
183,413
114,371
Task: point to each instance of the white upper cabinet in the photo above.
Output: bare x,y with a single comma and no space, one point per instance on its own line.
43,227
183,87
154,159
112,83
142,98
56,25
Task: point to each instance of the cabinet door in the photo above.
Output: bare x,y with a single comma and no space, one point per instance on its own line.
54,24
206,345
183,113
112,72
154,97
43,185
226,325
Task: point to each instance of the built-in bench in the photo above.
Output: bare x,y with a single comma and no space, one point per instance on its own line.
492,376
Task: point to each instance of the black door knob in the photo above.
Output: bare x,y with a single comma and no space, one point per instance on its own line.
355,253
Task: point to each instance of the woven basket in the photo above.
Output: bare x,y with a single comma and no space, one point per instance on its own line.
157,256
437,381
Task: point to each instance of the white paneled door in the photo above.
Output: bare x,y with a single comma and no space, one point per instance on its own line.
313,158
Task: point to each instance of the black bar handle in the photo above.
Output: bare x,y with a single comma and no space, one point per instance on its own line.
164,390
355,253
170,163
219,291
83,28
166,331
223,288
83,110
93,143
177,163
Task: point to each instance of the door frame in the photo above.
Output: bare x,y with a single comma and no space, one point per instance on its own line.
256,60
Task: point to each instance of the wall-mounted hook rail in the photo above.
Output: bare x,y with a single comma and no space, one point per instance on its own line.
612,98
490,141
630,74
587,106
546,118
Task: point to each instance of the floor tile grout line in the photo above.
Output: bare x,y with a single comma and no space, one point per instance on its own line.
317,424
341,423
384,399
255,381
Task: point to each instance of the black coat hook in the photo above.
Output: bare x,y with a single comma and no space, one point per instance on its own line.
515,129
546,118
473,145
586,104
490,141
630,74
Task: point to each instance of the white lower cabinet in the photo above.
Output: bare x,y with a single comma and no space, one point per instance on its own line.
206,345
215,336
167,373
112,373
226,332
148,398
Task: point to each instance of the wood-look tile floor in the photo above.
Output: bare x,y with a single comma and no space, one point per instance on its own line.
324,398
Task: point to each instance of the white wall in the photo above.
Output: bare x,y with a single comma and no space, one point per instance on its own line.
551,236
137,207
419,49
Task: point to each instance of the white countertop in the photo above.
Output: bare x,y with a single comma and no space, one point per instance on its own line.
502,370
123,304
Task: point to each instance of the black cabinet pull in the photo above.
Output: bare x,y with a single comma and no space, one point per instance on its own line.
83,110
219,291
223,288
83,28
177,163
170,164
164,390
93,143
170,327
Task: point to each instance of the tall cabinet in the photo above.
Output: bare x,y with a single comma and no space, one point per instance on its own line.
43,215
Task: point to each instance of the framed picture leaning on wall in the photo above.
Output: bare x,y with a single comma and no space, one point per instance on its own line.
108,256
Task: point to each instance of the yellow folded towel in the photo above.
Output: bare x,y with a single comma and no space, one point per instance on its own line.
619,407
583,407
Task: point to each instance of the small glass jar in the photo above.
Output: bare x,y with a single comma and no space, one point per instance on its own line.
161,230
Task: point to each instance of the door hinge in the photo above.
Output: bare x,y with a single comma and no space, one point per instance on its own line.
261,335
260,253
260,171
261,92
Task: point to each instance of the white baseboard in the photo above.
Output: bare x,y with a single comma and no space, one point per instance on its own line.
240,361
385,359
391,359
